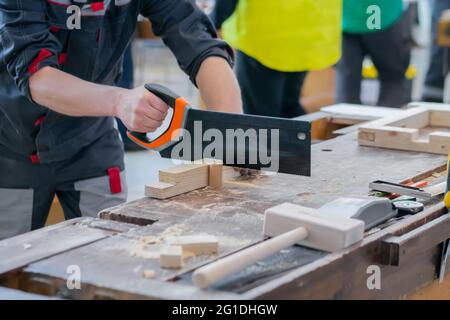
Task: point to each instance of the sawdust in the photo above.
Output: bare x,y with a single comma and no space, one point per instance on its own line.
137,269
149,274
146,251
147,240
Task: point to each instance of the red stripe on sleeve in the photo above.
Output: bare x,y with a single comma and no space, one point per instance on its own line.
97,6
43,54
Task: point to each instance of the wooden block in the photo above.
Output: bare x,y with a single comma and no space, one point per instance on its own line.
181,173
185,178
198,244
149,274
160,190
171,257
415,119
216,175
440,119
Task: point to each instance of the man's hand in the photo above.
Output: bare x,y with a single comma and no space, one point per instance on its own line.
140,110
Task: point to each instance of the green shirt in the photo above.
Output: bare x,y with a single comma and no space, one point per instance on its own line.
365,16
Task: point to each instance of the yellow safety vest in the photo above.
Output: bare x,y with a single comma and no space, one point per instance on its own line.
287,35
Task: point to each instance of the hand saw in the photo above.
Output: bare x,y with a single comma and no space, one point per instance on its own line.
246,141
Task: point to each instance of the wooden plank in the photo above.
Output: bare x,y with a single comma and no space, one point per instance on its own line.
396,249
22,250
440,118
359,113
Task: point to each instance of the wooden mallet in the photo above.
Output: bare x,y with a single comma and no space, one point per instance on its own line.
287,224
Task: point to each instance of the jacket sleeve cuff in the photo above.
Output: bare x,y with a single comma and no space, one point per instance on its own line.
225,53
43,58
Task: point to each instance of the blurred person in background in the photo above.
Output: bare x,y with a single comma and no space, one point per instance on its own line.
387,44
434,82
277,42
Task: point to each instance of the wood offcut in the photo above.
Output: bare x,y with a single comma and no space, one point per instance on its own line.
185,178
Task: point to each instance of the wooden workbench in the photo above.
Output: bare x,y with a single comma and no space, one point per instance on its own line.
407,251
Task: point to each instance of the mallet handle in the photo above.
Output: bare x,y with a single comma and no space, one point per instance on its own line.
213,272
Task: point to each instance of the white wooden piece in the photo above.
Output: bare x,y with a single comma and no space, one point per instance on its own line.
171,257
360,112
185,178
178,180
198,244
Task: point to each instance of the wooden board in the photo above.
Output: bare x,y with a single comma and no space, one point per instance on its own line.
425,128
359,113
30,247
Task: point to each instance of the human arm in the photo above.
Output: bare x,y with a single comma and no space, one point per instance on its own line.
207,60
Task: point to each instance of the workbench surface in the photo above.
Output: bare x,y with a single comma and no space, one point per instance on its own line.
339,168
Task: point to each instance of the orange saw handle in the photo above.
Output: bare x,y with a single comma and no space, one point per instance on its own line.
179,106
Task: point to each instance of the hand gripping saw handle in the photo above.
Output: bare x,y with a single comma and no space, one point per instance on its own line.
169,137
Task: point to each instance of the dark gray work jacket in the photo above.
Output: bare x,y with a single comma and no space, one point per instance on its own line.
35,34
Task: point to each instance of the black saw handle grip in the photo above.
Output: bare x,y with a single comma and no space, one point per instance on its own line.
174,101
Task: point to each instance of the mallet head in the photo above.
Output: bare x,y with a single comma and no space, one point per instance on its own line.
324,233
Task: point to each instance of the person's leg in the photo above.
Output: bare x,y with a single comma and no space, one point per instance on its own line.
26,194
390,51
93,180
262,88
348,70
291,103
434,81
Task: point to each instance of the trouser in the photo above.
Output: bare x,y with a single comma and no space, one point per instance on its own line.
89,182
268,92
439,62
390,52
